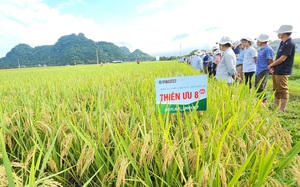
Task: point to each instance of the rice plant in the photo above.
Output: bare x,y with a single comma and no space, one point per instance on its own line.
97,126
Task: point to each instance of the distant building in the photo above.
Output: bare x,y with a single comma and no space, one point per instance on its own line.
275,44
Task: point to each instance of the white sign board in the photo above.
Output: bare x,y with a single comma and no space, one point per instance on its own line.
181,94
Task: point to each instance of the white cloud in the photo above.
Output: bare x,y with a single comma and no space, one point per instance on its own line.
156,4
203,23
65,3
36,24
232,18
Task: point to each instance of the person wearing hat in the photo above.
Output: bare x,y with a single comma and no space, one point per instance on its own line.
282,66
196,61
212,68
239,63
205,59
264,58
218,54
249,60
235,48
209,65
226,70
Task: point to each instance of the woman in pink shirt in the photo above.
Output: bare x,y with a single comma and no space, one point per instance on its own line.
217,60
218,57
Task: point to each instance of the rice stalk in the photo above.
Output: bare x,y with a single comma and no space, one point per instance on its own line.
4,182
189,183
85,159
65,146
122,172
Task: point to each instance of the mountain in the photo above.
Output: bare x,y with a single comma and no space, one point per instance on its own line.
69,50
138,55
125,50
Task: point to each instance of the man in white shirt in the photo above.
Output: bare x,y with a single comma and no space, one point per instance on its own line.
226,69
250,56
196,61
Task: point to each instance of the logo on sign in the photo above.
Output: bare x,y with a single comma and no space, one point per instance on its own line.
202,91
167,81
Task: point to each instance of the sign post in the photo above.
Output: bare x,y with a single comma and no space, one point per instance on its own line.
181,94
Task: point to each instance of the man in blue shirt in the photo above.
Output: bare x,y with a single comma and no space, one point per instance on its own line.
282,66
205,62
264,58
236,49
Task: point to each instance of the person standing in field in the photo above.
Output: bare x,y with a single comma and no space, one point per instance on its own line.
205,62
188,60
212,70
239,63
235,48
218,54
226,70
210,62
196,61
282,66
249,60
264,58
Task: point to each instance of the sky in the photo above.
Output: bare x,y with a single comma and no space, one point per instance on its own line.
157,27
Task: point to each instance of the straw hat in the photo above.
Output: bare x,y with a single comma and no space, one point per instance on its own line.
285,29
199,53
236,43
225,40
214,48
263,38
248,39
218,51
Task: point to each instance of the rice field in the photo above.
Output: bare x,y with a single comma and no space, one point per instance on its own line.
97,126
297,60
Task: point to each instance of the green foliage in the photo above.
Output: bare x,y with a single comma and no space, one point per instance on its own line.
138,55
125,50
69,50
297,61
170,58
291,119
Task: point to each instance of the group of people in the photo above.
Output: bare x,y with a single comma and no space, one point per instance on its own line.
240,61
206,61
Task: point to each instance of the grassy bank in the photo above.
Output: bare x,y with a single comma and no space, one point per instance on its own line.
291,119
